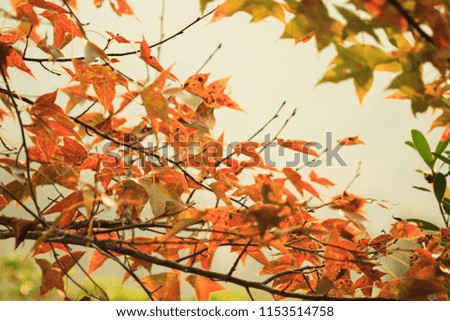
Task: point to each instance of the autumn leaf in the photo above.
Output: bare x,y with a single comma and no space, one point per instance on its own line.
203,286
51,277
118,37
47,5
296,179
68,203
96,261
348,202
92,52
9,56
161,198
104,80
173,179
222,219
122,7
52,274
24,10
220,188
154,101
64,28
49,246
20,227
195,84
203,4
405,230
148,58
15,190
3,201
352,140
217,90
320,180
72,151
358,62
301,146
259,10
132,198
164,286
266,216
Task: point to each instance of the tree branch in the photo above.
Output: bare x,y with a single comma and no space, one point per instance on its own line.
59,236
410,20
127,53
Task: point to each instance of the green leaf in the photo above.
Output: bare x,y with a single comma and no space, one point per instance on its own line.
410,144
423,189
441,146
203,4
355,24
161,198
357,62
439,186
424,225
442,158
422,146
258,9
446,205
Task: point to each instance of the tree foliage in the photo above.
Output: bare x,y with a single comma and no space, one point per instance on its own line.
88,183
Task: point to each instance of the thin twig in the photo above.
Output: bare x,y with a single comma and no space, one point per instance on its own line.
410,20
161,26
128,53
357,174
24,144
209,58
236,262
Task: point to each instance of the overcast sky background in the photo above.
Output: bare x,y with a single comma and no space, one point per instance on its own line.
265,72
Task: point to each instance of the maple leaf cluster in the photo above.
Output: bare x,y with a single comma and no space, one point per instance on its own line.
129,189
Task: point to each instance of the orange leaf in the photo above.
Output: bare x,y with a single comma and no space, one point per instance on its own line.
220,188
320,180
203,286
10,57
97,260
349,203
47,247
406,230
161,197
104,80
47,5
122,7
51,277
302,146
52,274
68,203
73,151
266,216
348,141
217,89
62,26
20,226
3,201
147,57
380,243
296,179
66,262
118,37
196,85
164,286
446,134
